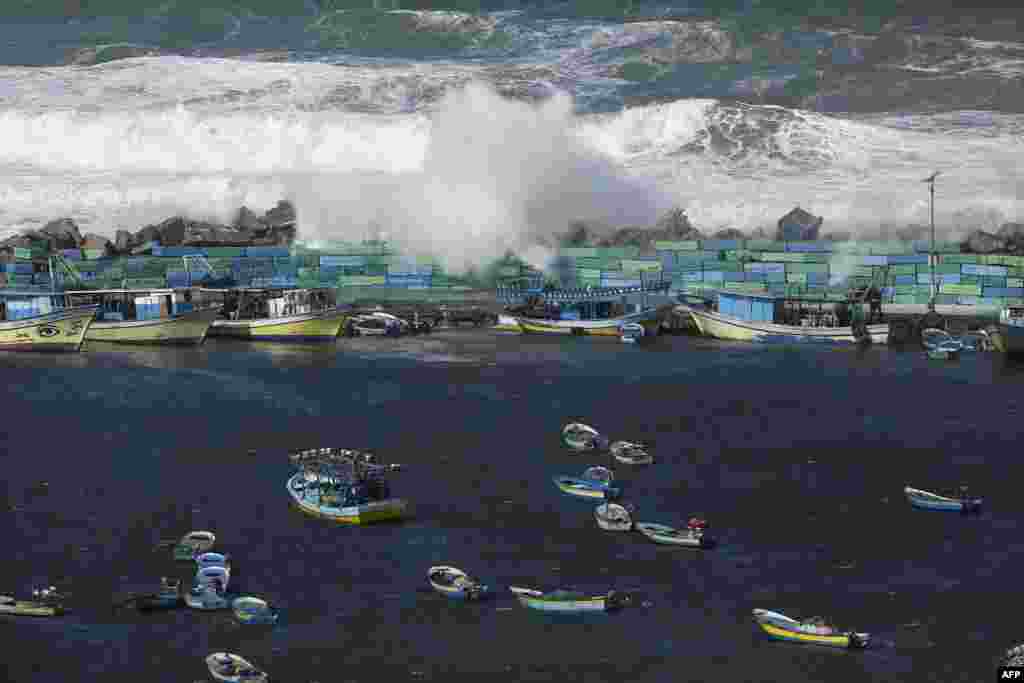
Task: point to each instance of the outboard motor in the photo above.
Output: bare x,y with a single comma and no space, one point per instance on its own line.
616,600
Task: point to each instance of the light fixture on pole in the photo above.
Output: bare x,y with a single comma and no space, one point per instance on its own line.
931,259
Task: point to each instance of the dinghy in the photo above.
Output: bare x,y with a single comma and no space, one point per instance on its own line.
569,602
694,536
580,437
631,453
926,500
192,544
231,668
595,482
812,631
213,560
940,345
455,583
46,604
613,517
206,598
216,576
168,597
250,610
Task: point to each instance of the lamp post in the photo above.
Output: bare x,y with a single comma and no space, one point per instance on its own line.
931,259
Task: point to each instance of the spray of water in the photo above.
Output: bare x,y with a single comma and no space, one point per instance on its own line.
497,174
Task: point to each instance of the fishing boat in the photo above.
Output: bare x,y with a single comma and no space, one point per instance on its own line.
631,333
630,453
291,315
206,598
193,543
693,536
744,317
47,603
600,311
926,500
507,323
233,669
378,325
455,583
1010,337
613,517
811,631
569,602
33,321
595,482
213,560
250,610
581,437
168,597
146,316
342,486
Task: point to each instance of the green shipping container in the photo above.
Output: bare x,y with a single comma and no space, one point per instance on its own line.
904,299
22,253
894,248
807,268
746,287
765,245
796,278
677,246
633,266
1014,282
729,266
580,252
618,252
909,269
224,252
959,258
508,271
969,290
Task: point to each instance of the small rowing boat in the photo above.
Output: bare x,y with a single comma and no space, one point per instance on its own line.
206,597
596,482
455,583
233,669
613,517
580,437
811,631
192,544
926,500
630,453
48,606
213,560
250,610
694,536
569,602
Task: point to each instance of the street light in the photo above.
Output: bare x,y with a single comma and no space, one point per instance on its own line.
931,260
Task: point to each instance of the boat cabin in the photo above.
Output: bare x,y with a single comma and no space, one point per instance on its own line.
766,308
755,308
20,305
119,305
263,304
1012,315
588,303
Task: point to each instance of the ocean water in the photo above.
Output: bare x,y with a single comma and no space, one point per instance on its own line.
464,128
798,479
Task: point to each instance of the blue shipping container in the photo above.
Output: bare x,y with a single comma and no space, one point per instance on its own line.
719,245
335,261
809,247
267,251
906,279
873,260
733,276
713,276
907,259
975,269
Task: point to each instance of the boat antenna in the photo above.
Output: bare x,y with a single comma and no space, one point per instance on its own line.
931,256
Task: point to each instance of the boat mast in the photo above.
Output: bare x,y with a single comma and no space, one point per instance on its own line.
931,257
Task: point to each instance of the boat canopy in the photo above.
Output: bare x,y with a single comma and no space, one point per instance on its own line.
758,308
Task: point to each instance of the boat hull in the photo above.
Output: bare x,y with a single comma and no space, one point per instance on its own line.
580,489
186,329
24,608
507,323
668,536
650,320
312,327
60,331
712,324
389,510
587,606
942,504
777,633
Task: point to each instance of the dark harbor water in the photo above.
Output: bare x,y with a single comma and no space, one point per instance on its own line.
797,457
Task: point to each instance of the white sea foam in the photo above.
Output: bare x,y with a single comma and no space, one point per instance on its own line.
469,173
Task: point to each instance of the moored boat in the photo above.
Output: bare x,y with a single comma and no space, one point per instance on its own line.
192,544
811,631
694,536
206,598
760,318
455,583
1010,337
47,603
343,486
595,482
569,602
231,668
581,437
940,345
377,325
39,322
507,323
250,610
926,500
613,517
291,315
216,576
630,453
631,333
213,560
146,316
